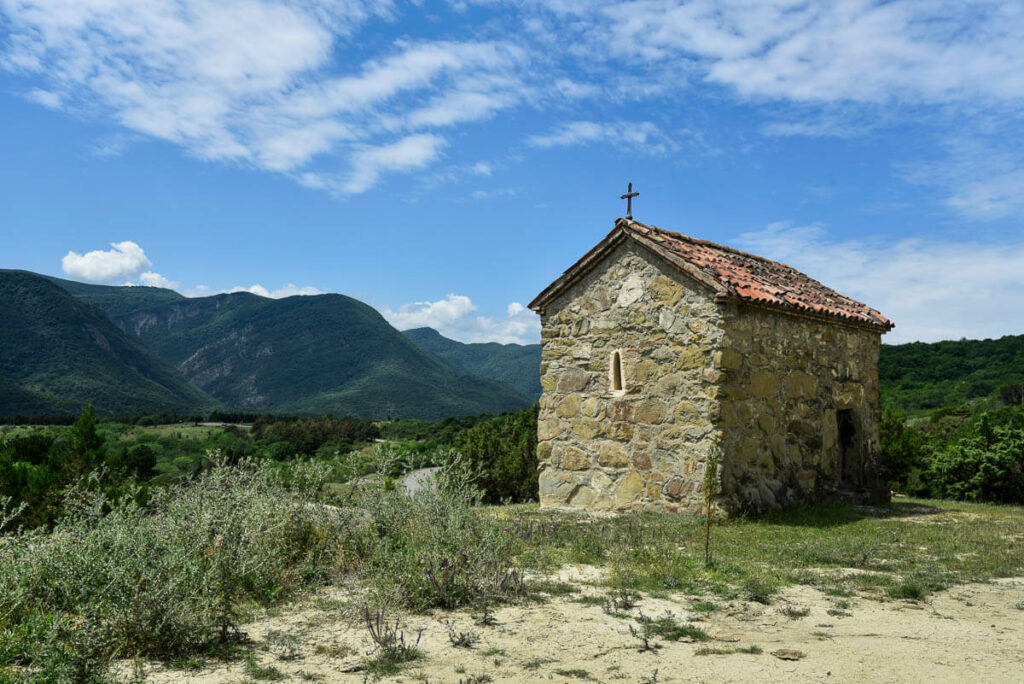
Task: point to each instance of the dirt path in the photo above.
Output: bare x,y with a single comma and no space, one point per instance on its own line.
971,633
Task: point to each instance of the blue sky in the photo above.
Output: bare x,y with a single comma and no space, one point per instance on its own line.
444,161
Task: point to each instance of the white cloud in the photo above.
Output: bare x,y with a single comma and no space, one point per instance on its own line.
125,261
482,169
289,290
989,198
980,178
637,136
437,315
151,279
821,50
452,317
47,98
258,81
411,152
126,264
574,89
932,289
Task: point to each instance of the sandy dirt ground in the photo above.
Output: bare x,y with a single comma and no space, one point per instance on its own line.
972,633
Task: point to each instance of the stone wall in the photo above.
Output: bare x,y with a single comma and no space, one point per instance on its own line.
784,378
643,447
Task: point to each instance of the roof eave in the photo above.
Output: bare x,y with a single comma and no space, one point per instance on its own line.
880,327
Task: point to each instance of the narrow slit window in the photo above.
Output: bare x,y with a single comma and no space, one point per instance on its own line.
616,371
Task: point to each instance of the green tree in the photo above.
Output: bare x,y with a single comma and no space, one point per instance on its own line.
504,451
903,449
986,467
85,445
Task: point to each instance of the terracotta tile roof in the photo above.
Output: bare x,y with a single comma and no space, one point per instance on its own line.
731,273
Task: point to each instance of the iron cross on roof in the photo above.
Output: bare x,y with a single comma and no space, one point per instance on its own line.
629,200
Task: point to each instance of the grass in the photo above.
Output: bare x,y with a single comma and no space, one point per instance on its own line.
667,627
262,673
590,600
553,588
906,550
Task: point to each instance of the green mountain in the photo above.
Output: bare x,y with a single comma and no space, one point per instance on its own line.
117,300
517,365
60,352
312,354
921,375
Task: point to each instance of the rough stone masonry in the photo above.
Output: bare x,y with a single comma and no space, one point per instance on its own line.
658,347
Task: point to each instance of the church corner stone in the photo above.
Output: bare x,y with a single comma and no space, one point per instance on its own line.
791,401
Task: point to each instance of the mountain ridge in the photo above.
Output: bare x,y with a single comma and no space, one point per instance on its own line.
61,352
300,354
517,365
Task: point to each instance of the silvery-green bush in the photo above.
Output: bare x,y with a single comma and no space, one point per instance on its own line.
435,548
119,579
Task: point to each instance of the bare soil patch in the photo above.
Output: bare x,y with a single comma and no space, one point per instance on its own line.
972,632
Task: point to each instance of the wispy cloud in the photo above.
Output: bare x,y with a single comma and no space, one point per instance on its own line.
272,84
980,178
638,136
113,145
453,317
47,98
933,289
411,152
864,51
815,126
255,81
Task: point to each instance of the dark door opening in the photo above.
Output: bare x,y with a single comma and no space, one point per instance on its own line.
849,454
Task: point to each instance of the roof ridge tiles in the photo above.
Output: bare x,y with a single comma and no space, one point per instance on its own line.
707,243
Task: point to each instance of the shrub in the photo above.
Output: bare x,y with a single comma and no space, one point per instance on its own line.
504,450
433,549
985,467
117,579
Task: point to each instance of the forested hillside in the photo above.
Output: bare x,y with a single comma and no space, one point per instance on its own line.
923,375
325,353
60,352
517,365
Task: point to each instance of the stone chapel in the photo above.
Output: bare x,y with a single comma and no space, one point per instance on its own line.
658,347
